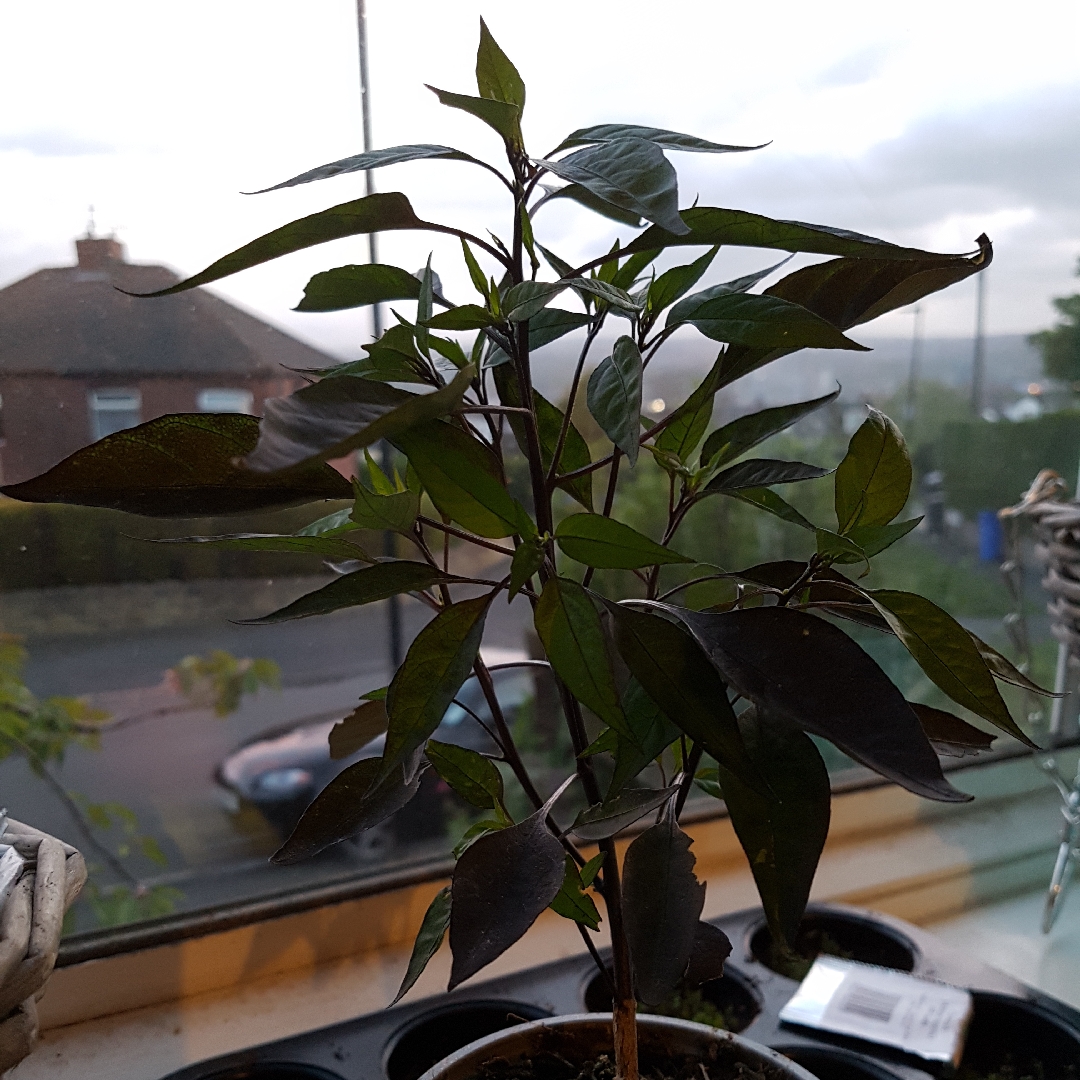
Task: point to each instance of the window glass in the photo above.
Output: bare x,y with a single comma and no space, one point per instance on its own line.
177,742
222,400
113,410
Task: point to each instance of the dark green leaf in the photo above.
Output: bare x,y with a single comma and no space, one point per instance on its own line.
627,274
329,547
355,800
428,939
465,317
529,298
670,140
178,466
475,831
677,281
783,836
1005,670
613,815
475,273
727,443
608,293
336,524
396,512
836,548
711,948
652,733
496,76
605,543
463,479
874,479
762,472
591,869
586,198
949,735
545,327
366,722
569,627
549,420
873,539
572,903
767,322
452,351
437,663
471,775
662,902
709,225
687,308
633,174
365,586
331,417
797,667
373,213
848,291
675,673
527,560
682,434
500,887
502,116
354,286
614,397
767,499
393,358
371,159
948,655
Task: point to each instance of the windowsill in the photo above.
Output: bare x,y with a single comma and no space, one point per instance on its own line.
143,1014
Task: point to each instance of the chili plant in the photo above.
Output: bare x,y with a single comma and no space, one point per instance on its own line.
732,693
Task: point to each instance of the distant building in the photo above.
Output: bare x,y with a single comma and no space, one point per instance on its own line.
80,360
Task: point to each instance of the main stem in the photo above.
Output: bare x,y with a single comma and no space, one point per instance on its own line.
624,1005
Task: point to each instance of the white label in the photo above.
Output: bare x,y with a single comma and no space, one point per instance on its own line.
890,1008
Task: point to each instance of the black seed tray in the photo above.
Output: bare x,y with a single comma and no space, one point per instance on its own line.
1010,1019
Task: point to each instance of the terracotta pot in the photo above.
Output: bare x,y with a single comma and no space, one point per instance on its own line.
586,1036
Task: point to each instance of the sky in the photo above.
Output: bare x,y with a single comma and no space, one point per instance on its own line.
925,124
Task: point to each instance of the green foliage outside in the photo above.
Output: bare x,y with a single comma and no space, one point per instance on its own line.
988,466
733,697
1060,346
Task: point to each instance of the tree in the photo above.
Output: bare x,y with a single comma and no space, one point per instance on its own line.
1060,346
727,696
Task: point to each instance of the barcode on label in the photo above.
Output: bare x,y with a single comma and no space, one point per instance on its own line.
869,1003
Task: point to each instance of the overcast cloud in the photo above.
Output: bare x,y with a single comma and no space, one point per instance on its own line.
928,127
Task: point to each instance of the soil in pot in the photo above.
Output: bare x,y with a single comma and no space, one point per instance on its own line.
835,933
438,1033
725,1003
1017,1040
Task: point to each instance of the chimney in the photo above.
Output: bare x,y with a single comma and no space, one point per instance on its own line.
98,253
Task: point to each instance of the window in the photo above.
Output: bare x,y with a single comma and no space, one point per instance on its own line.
224,400
114,410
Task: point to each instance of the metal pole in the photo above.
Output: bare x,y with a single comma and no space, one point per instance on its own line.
393,604
978,361
913,372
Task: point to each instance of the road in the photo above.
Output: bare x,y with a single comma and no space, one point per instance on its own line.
162,768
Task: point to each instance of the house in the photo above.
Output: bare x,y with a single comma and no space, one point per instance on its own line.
79,359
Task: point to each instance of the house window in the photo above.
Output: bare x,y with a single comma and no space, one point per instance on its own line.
226,400
114,410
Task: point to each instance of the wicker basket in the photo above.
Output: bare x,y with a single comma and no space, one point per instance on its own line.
30,926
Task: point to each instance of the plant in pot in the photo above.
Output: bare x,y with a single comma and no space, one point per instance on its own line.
728,696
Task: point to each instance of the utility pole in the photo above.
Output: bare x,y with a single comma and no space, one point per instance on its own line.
913,372
978,360
393,603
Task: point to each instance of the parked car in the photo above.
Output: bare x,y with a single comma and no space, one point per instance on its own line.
281,771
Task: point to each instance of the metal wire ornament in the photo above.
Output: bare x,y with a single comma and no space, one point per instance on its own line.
1056,525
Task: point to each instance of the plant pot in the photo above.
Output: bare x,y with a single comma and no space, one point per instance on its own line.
829,1063
582,1038
30,926
1006,1032
836,931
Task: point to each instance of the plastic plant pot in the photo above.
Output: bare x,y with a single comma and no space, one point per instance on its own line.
438,1033
1020,1036
827,1063
583,1038
274,1070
